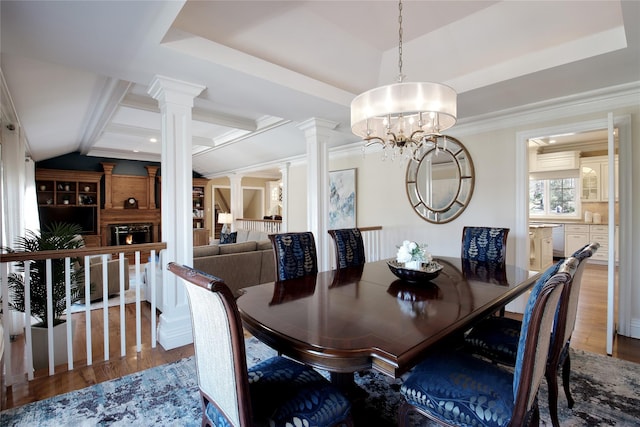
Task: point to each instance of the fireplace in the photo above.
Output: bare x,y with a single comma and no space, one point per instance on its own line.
129,234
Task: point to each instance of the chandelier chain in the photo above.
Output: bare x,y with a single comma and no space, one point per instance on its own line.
400,76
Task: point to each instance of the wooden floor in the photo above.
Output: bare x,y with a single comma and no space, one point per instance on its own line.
589,335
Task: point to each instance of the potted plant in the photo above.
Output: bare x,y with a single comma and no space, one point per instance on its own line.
58,236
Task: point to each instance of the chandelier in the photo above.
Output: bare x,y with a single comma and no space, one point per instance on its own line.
405,116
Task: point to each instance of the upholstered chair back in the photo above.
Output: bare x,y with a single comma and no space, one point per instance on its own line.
349,247
579,262
219,345
484,244
294,254
535,340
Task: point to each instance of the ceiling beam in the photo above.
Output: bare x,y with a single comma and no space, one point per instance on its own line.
198,114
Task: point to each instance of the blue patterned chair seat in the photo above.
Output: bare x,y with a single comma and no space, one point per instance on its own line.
462,389
287,393
456,388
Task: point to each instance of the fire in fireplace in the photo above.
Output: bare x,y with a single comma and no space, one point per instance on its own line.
129,234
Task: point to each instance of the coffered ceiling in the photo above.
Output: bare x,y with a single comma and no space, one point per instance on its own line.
78,71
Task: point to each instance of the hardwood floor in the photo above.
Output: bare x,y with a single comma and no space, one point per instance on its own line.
589,335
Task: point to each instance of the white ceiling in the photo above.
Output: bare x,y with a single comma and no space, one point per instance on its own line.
78,71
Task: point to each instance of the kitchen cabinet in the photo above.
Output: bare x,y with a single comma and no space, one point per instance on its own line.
594,174
541,250
563,160
575,237
578,235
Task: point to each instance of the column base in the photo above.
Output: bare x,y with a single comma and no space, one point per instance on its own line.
174,328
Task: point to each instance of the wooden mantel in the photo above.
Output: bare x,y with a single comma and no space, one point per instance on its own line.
118,189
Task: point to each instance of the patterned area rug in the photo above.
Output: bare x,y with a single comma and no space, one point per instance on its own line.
605,390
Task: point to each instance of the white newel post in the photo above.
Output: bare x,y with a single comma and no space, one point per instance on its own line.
317,133
175,99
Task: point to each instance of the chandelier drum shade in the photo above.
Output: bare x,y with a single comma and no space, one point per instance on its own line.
401,116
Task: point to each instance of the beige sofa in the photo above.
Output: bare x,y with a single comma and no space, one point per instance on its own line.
96,277
240,265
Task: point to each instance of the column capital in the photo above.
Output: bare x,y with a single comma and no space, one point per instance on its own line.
315,124
167,89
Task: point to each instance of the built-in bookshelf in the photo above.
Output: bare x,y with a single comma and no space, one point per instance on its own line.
72,197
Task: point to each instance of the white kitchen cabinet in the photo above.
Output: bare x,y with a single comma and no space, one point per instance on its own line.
594,174
590,173
541,251
600,234
578,235
563,160
575,237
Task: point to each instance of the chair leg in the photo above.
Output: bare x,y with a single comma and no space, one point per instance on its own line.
566,372
552,384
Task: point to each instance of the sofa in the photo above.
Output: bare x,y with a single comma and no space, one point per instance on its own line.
240,265
246,236
113,277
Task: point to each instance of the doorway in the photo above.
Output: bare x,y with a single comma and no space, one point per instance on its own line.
623,319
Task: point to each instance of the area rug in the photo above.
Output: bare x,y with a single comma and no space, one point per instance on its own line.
605,390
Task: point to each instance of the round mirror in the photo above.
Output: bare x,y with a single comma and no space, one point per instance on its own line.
440,182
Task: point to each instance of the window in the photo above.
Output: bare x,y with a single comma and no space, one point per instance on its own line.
554,197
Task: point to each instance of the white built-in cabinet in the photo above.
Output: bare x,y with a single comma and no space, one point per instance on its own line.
578,235
541,250
594,172
546,162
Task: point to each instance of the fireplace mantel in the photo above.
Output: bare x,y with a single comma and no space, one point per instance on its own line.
120,188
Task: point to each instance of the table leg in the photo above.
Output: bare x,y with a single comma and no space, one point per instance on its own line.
346,382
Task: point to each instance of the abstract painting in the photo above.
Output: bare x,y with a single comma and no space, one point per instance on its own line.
342,199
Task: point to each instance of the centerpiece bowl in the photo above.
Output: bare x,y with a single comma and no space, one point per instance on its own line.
424,274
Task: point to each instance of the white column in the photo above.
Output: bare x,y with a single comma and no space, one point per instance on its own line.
237,199
317,133
175,99
284,174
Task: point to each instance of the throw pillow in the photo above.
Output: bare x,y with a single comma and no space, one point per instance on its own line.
228,238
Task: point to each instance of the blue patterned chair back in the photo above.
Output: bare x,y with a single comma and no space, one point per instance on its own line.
535,339
349,247
566,317
485,244
295,255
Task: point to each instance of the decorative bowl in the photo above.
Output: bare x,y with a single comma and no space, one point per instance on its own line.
426,273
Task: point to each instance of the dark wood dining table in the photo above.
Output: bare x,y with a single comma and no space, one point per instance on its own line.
364,317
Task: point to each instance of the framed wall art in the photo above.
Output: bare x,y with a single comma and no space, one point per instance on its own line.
342,199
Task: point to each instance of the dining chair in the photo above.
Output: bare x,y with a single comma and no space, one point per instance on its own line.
349,247
294,254
485,244
496,338
275,392
457,388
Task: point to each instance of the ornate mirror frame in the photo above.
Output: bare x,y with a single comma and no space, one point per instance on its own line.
440,182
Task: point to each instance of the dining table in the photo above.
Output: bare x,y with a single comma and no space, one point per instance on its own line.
365,317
